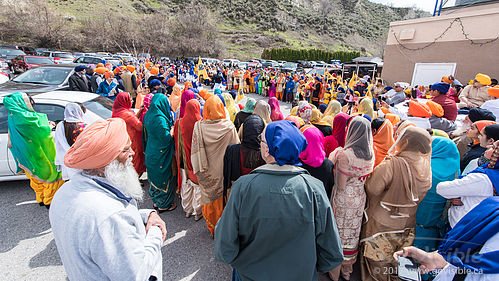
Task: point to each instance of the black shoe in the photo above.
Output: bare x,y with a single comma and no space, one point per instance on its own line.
47,206
41,204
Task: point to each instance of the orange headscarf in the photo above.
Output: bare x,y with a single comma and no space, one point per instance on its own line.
417,109
187,85
382,141
205,94
214,109
175,97
435,108
98,145
493,91
393,118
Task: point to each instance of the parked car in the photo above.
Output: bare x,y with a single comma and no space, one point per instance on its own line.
124,54
59,57
52,104
144,56
230,62
27,50
4,68
281,62
39,51
40,79
22,63
255,64
88,60
243,65
290,67
8,54
270,64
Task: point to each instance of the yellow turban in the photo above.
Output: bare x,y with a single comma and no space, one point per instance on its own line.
483,79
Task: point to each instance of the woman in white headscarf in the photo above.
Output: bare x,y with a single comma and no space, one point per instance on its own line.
352,163
66,133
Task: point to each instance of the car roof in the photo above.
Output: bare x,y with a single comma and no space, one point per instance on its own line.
63,96
68,96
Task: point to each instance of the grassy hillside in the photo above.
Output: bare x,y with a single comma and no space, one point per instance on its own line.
245,27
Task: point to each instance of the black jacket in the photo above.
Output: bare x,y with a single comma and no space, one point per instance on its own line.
77,83
93,83
474,152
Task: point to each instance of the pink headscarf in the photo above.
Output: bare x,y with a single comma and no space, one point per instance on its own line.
314,154
187,95
339,128
275,110
146,103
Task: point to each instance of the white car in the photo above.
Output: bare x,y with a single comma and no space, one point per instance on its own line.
52,104
59,57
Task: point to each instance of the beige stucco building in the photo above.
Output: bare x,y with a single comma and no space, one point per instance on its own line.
440,39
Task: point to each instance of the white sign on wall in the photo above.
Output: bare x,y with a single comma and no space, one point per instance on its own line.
430,73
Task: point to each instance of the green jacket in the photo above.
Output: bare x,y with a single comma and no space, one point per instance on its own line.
278,225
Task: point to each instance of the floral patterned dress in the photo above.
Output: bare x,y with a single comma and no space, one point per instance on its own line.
348,198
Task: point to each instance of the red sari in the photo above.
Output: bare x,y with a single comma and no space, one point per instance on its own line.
121,109
183,140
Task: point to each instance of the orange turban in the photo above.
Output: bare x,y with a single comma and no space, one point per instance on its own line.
417,109
394,118
154,71
108,74
130,68
385,110
436,109
446,79
108,65
483,123
494,91
101,70
100,64
98,145
171,82
117,70
148,64
214,109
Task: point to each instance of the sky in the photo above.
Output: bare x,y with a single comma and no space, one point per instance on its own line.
426,5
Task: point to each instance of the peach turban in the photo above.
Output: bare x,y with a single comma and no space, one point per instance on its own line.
435,108
98,145
417,109
483,79
148,64
154,71
494,91
100,64
130,68
101,70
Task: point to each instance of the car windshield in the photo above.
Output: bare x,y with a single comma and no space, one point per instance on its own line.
44,75
290,64
38,60
62,55
100,106
11,52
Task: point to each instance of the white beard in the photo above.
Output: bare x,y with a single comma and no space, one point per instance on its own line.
125,178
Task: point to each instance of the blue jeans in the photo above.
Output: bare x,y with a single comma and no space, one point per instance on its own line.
235,275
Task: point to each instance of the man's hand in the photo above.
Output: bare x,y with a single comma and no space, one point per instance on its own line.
155,220
428,261
456,202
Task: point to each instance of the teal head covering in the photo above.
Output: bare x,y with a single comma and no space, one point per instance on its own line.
30,135
444,160
160,107
250,105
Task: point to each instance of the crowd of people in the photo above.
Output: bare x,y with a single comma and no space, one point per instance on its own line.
348,176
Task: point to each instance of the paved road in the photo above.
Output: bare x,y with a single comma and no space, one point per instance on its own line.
28,251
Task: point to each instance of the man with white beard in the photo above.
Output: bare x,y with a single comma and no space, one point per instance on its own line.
99,231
